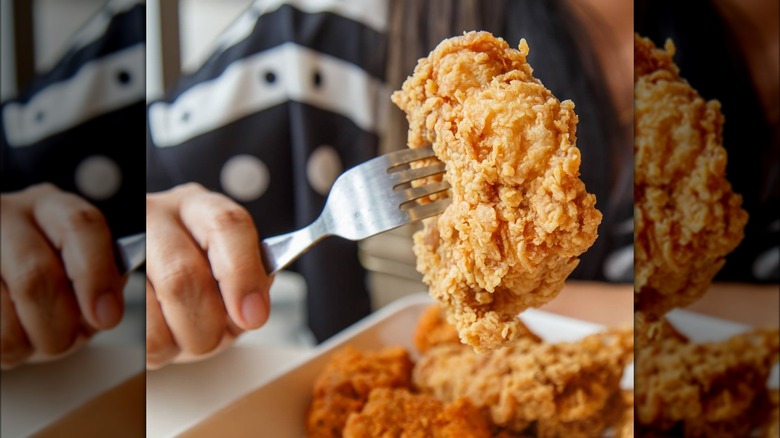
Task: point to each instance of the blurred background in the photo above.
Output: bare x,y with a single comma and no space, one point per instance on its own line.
182,36
91,146
591,63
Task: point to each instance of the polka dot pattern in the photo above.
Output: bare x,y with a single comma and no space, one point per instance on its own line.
98,177
245,177
322,169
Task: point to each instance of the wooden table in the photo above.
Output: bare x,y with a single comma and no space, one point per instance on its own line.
603,303
613,304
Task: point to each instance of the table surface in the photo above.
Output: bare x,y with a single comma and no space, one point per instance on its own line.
612,304
174,404
179,396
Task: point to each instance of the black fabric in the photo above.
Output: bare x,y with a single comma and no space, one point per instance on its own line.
118,135
124,30
324,32
569,68
711,60
283,137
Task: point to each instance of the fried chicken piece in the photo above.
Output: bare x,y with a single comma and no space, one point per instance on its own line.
686,216
624,428
592,426
520,215
344,384
528,382
433,329
771,428
739,425
399,413
649,331
708,389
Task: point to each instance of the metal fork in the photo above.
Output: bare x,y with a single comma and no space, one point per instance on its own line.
368,199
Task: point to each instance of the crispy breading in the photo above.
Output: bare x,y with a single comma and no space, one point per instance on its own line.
399,413
707,389
520,215
346,381
589,427
528,382
624,427
648,331
771,428
433,329
686,215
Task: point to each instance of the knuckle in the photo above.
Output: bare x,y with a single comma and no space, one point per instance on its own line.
59,342
34,282
177,281
42,188
14,350
206,342
190,187
82,217
229,218
160,350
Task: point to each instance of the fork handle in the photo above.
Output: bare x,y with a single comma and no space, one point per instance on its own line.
279,251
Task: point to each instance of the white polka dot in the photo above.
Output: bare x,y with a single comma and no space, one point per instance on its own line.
767,264
244,177
323,168
98,177
619,265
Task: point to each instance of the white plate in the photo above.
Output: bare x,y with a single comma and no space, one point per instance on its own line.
277,409
701,328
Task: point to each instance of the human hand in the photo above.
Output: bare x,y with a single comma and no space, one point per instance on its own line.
205,281
60,283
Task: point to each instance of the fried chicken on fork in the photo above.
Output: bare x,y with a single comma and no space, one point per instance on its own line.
520,215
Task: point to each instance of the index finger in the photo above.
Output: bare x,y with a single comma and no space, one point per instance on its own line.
80,232
227,233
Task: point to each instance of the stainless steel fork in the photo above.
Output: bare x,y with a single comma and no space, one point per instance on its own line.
368,199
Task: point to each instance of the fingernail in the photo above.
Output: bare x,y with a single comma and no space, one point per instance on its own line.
253,310
107,310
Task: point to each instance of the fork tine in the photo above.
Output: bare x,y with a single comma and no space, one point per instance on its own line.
428,189
404,156
428,210
408,175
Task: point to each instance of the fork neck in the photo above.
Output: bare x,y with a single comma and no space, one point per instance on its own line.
280,251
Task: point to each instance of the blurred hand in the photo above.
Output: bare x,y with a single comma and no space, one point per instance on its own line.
60,283
205,281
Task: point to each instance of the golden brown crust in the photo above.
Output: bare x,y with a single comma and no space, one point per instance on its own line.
520,215
346,381
592,426
433,329
624,427
527,382
397,412
771,427
686,216
709,389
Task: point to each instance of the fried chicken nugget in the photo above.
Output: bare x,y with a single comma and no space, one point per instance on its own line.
399,413
708,389
592,426
624,428
771,428
520,215
346,381
686,216
528,382
433,329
